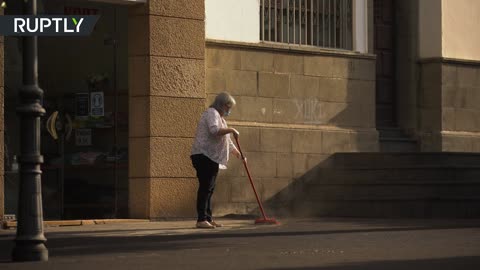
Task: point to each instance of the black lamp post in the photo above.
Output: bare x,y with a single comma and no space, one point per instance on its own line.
30,241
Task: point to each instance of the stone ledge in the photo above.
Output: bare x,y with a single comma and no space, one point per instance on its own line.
299,126
289,48
460,133
453,61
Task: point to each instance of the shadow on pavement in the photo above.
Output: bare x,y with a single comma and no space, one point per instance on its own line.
64,244
396,223
456,263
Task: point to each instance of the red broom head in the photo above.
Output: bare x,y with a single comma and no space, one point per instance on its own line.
266,221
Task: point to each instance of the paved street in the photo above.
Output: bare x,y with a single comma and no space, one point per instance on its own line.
306,244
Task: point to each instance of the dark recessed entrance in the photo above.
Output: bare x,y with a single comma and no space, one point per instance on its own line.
384,24
85,130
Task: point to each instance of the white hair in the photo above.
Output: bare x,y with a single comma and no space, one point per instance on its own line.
222,99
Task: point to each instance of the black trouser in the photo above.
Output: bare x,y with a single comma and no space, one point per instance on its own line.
207,171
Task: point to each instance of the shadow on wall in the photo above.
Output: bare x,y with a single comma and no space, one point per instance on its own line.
344,102
335,189
301,198
293,111
383,185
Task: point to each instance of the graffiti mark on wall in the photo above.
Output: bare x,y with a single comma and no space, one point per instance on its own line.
308,110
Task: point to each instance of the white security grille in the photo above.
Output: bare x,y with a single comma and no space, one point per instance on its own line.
322,23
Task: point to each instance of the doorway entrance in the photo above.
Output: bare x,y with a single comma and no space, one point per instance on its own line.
85,130
392,138
384,30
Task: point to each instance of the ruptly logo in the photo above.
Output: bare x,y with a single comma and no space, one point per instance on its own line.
47,25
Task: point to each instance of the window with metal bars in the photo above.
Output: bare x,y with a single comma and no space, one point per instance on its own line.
321,23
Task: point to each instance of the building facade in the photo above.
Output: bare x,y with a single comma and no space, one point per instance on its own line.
311,78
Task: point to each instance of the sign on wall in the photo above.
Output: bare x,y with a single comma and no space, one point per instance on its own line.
83,137
97,107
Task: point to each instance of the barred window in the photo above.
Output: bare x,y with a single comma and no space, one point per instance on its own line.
321,23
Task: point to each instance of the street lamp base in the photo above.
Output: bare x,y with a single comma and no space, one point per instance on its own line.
29,252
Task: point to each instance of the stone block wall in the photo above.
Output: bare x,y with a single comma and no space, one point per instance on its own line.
450,98
430,107
461,107
166,99
294,109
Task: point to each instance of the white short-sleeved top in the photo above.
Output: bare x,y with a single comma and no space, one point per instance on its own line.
207,142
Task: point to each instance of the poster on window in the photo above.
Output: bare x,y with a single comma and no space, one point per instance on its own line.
97,108
83,137
81,105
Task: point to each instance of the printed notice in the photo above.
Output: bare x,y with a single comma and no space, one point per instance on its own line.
83,137
97,104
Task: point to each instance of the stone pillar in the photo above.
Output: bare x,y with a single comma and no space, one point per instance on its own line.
449,68
429,93
166,99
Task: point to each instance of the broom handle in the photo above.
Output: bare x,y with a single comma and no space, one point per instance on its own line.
250,178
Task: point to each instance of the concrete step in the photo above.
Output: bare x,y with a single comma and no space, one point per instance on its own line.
402,192
388,209
402,160
390,185
392,145
393,175
391,132
395,140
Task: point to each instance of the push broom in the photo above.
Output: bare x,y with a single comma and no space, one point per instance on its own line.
264,220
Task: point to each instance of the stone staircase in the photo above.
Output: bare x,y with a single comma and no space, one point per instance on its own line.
408,185
395,140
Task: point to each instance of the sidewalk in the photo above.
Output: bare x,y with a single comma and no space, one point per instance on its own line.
80,222
306,244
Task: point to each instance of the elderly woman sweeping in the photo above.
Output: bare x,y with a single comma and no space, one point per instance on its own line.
210,152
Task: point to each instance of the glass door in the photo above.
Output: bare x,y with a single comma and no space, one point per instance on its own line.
85,134
85,129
